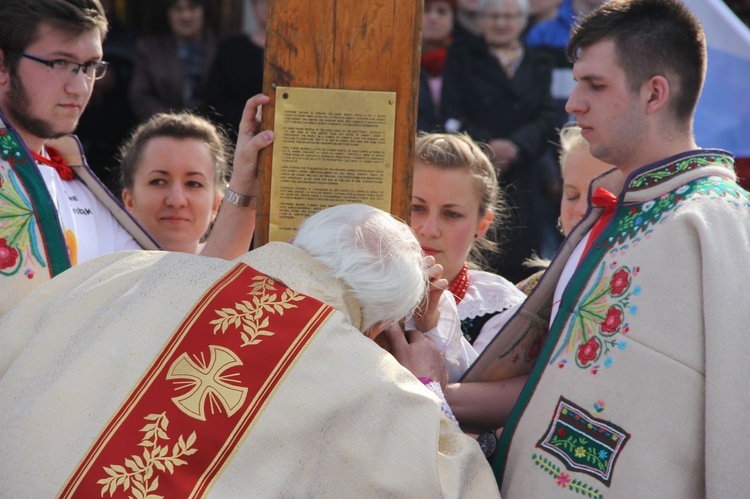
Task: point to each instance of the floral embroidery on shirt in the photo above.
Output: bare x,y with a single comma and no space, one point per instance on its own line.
636,220
584,443
564,480
671,170
17,224
600,317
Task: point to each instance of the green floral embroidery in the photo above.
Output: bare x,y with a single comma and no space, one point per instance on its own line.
576,446
654,177
600,317
564,480
584,443
17,222
637,220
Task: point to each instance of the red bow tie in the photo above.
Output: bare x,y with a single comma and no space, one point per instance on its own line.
602,198
57,162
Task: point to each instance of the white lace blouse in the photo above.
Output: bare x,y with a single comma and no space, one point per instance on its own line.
487,294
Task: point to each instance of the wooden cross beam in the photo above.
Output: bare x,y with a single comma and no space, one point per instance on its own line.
368,46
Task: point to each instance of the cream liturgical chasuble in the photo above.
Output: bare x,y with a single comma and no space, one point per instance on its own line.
178,375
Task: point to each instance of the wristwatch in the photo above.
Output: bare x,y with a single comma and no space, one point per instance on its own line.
241,200
487,442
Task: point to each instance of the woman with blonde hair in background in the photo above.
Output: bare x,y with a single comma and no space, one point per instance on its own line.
455,203
578,168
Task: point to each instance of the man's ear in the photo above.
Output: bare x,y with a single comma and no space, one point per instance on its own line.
656,92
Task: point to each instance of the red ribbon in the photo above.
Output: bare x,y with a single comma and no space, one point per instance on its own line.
602,198
57,162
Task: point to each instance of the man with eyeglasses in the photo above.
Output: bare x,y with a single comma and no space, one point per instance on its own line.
54,212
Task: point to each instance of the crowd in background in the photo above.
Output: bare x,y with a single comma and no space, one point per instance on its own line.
637,306
493,69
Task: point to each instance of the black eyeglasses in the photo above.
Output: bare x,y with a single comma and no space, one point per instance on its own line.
61,67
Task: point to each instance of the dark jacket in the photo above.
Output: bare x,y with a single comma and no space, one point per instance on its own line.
477,93
236,76
158,83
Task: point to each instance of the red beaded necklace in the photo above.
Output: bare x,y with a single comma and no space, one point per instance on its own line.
460,284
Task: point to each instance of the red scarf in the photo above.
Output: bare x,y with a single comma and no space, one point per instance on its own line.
57,162
433,61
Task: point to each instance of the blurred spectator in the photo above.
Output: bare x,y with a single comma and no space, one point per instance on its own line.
437,23
108,117
237,73
499,92
171,70
555,30
552,36
542,10
467,27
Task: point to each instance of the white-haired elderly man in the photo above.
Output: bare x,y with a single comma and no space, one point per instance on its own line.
178,375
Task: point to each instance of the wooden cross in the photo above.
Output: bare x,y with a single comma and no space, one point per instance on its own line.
353,45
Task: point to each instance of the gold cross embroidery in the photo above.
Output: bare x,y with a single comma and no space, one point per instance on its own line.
207,381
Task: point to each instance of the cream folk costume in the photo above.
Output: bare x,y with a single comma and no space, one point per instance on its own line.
180,374
48,224
639,389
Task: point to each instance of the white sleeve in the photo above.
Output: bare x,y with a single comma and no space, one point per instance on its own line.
459,354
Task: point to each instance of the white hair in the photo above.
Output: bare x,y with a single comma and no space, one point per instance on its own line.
376,255
523,6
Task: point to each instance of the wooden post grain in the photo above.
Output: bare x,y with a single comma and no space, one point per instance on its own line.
352,45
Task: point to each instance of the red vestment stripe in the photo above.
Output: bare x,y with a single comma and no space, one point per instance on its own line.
202,393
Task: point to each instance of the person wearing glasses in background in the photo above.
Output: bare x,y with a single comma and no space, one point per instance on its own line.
54,212
498,92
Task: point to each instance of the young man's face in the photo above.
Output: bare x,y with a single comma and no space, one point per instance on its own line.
608,112
44,103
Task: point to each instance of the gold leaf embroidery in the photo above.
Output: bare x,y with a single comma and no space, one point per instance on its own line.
251,317
136,476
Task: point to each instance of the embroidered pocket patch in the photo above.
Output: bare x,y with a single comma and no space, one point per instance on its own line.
583,442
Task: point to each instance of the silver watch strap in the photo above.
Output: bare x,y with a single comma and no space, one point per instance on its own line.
241,200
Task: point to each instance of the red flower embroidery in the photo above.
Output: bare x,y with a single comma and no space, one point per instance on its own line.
563,479
8,255
588,352
613,320
561,432
619,282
